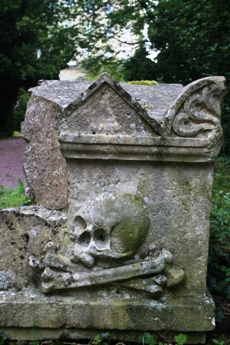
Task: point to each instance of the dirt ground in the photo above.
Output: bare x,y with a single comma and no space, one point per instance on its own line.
11,161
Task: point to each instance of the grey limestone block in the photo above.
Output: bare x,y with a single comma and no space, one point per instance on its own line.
118,239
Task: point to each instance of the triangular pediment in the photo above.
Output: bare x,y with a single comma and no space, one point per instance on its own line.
103,111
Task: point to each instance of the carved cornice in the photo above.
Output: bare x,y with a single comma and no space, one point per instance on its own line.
188,131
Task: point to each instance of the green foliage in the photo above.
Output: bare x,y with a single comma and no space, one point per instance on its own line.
16,133
225,119
96,340
94,67
20,108
33,46
219,251
180,28
14,197
2,338
147,339
102,339
180,339
218,342
140,67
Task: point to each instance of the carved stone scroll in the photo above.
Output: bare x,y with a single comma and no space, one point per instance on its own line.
196,111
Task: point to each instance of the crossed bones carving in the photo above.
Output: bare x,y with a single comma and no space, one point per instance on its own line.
147,275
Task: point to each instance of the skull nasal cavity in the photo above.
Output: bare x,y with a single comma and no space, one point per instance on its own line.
84,239
100,237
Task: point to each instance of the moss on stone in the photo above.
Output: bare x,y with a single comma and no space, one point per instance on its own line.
143,82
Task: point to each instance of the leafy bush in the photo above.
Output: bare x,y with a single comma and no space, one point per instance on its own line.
146,339
225,121
140,67
93,69
219,249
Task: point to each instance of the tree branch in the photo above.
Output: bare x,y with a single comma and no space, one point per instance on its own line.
129,43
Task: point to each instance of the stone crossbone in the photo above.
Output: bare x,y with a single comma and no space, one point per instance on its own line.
147,275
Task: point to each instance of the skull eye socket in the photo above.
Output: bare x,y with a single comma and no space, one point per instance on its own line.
84,239
100,238
79,222
78,225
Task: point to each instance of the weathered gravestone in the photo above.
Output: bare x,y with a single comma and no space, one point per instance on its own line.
118,238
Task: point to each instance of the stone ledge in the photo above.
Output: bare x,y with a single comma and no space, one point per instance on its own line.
167,152
18,310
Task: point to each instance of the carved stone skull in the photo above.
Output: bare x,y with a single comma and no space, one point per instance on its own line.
109,227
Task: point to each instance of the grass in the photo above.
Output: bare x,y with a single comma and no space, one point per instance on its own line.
14,197
16,134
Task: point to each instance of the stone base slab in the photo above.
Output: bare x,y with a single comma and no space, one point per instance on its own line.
71,317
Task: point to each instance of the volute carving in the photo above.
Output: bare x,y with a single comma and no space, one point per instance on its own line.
196,111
